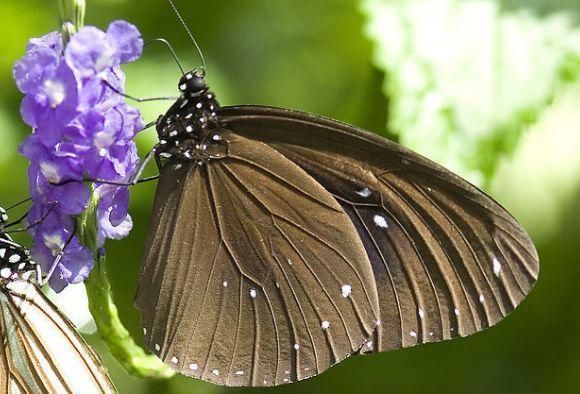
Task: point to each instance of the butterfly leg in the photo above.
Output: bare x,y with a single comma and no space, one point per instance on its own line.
135,179
139,100
57,259
30,225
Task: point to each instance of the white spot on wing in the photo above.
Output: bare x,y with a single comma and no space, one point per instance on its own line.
157,347
225,283
2,253
346,290
296,346
215,372
456,312
193,367
253,293
239,373
496,266
380,221
5,273
421,313
481,298
413,334
364,192
325,324
174,360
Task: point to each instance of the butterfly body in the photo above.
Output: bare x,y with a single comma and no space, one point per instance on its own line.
282,242
190,130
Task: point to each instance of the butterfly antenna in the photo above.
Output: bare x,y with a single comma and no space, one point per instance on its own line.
190,35
19,203
168,45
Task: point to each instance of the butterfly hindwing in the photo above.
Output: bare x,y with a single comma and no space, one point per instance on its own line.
42,351
254,274
447,259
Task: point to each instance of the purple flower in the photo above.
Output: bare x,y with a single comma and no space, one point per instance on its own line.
82,128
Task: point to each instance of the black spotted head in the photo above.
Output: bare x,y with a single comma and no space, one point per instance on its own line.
193,83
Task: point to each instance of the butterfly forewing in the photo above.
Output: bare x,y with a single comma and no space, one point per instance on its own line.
254,274
447,259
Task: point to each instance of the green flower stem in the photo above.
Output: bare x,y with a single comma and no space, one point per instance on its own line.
122,346
72,17
132,357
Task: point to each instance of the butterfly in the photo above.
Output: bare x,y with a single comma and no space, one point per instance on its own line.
282,242
41,352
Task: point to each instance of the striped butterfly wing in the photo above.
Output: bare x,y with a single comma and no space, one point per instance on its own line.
447,259
42,352
253,274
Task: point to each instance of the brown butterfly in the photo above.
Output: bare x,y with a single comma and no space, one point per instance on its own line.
282,242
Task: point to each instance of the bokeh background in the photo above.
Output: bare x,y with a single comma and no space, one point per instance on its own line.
488,88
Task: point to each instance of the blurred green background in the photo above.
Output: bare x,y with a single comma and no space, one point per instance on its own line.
488,88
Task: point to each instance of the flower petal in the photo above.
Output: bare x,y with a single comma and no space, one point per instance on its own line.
126,39
89,52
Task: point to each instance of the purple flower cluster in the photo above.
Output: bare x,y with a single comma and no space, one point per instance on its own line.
82,129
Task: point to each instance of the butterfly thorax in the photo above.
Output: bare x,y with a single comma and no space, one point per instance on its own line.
190,130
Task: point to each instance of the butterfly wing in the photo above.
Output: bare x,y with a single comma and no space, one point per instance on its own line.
253,273
448,260
42,351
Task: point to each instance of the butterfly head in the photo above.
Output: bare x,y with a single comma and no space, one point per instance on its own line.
193,83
